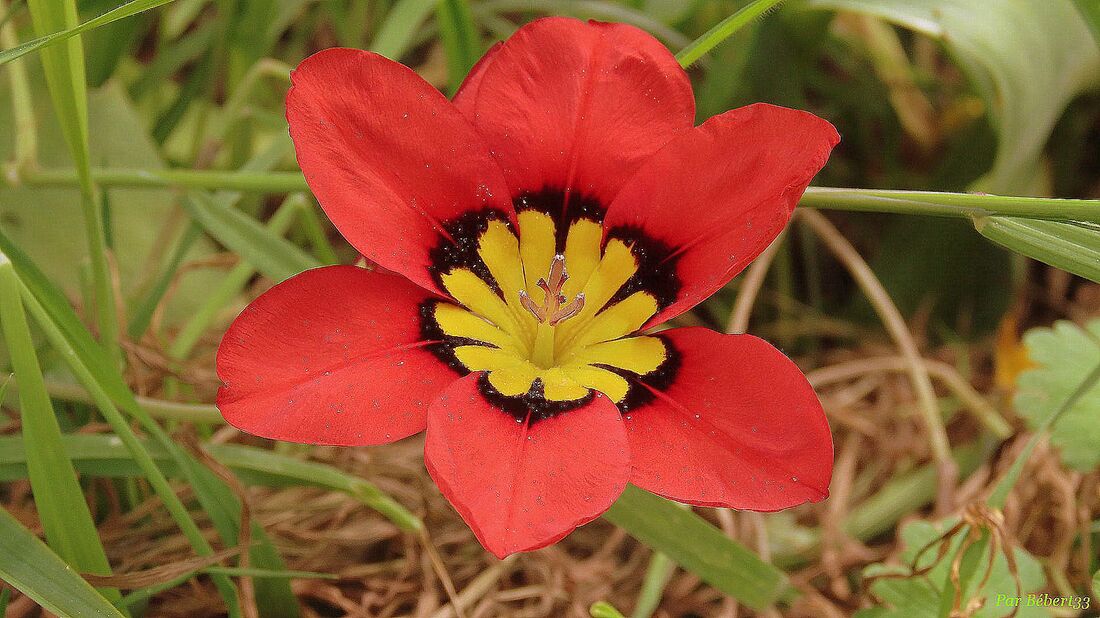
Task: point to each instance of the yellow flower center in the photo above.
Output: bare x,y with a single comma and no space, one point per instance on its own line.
546,314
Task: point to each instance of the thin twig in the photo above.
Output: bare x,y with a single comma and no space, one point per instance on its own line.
750,288
444,576
983,411
478,588
946,467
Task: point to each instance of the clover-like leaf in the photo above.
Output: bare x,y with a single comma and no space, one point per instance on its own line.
1065,354
915,596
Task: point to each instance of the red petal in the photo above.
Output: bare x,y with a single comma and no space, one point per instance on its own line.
739,427
568,104
521,486
718,195
466,95
389,158
331,356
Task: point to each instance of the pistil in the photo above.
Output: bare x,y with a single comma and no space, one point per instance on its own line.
553,310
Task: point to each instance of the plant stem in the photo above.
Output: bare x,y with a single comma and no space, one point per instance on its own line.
22,106
231,285
959,205
256,182
931,203
899,331
121,426
157,408
660,570
725,28
65,79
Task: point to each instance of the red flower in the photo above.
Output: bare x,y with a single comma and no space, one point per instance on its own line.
561,205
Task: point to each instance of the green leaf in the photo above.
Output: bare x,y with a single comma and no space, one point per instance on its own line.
699,547
263,466
64,68
105,455
603,609
723,30
1072,246
93,368
110,43
602,10
232,285
1065,355
1090,10
1025,93
142,314
58,497
271,254
461,39
921,597
67,32
56,242
29,566
400,25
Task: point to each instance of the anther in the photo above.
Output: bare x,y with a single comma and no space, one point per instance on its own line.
554,308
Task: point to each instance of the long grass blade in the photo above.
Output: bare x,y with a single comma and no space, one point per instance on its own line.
58,497
64,68
92,368
53,38
461,39
699,547
105,455
400,25
30,567
1071,246
272,255
724,30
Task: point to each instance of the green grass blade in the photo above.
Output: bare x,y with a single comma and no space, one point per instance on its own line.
104,455
62,34
232,284
171,60
401,23
461,39
657,574
1071,246
142,315
261,466
699,547
30,567
1090,10
602,10
272,255
87,375
1000,491
603,609
64,68
94,369
724,30
58,497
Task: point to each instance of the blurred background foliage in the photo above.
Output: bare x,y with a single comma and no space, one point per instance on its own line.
997,96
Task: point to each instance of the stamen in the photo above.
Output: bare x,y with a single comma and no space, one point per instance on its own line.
569,310
554,308
530,305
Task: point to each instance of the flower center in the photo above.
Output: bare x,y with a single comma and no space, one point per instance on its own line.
552,311
544,334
